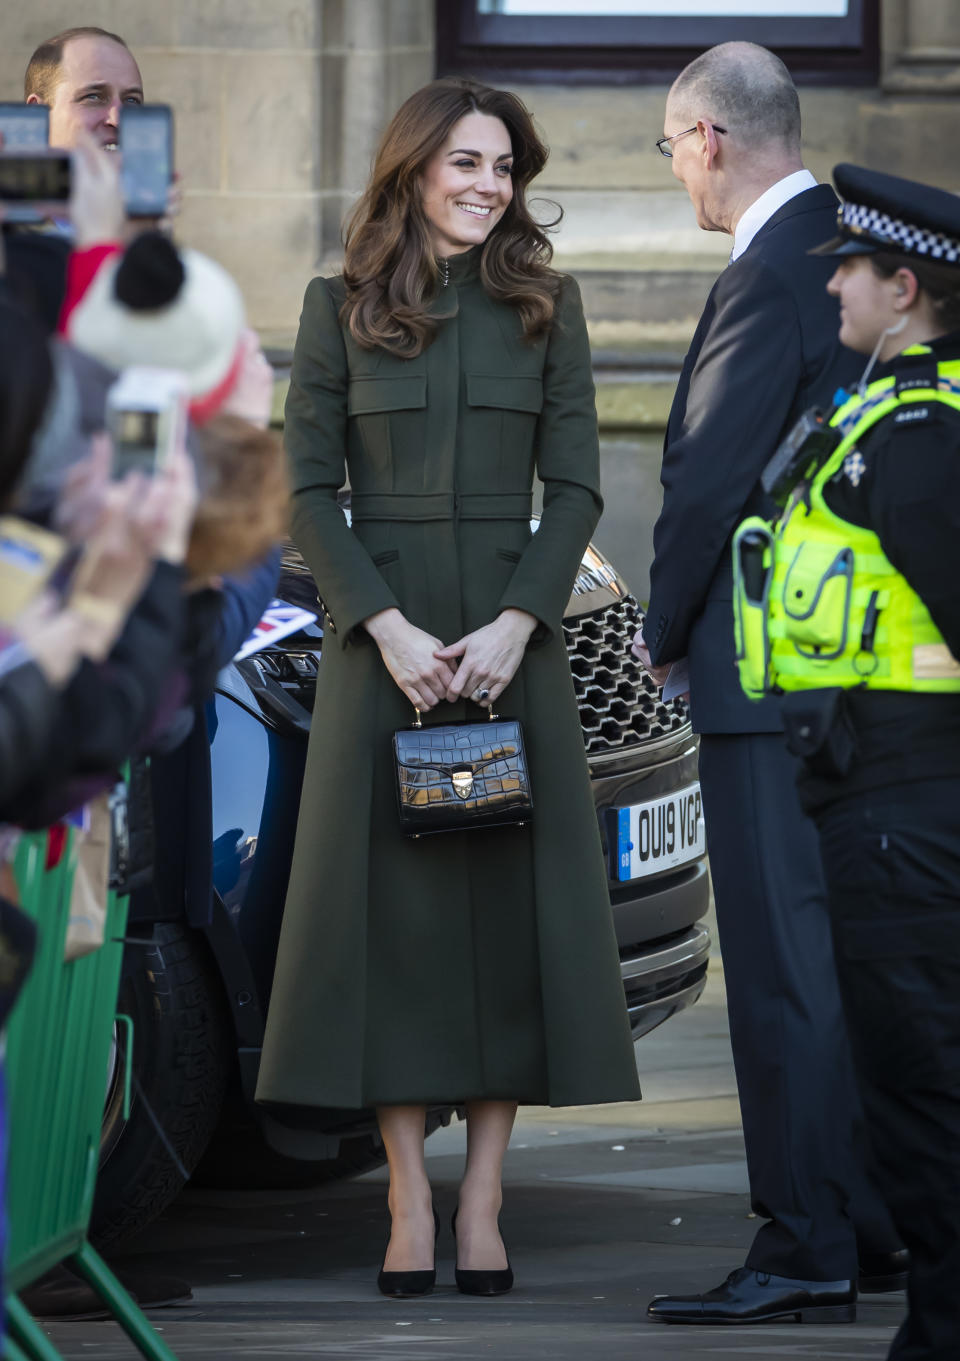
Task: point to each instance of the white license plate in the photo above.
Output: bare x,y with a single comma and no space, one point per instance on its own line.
660,834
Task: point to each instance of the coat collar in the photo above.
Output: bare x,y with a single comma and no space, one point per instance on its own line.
457,269
810,201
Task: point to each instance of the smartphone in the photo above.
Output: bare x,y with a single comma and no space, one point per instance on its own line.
29,557
25,127
34,177
146,144
146,418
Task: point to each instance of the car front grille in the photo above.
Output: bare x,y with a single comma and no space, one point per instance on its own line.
620,706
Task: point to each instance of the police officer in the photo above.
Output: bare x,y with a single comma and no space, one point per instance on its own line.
849,605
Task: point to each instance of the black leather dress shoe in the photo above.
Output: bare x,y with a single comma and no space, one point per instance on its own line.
62,1296
883,1272
748,1296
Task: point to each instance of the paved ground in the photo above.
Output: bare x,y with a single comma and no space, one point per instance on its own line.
605,1206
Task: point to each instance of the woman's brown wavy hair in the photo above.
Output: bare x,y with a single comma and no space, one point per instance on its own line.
390,269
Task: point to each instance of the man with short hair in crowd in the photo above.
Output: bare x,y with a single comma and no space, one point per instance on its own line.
85,76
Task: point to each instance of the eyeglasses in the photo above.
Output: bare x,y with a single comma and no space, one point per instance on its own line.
663,143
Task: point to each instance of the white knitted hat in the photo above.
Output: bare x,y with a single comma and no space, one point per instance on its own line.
141,308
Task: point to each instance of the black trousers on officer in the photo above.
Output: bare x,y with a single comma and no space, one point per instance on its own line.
892,863
801,1118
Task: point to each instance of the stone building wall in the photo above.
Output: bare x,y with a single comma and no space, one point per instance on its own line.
629,231
277,104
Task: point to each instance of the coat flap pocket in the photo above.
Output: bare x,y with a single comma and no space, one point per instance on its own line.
404,392
512,392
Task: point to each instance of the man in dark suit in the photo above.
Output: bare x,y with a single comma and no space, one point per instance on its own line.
766,349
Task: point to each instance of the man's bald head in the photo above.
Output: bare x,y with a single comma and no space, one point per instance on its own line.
747,90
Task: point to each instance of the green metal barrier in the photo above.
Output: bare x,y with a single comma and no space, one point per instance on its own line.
58,1049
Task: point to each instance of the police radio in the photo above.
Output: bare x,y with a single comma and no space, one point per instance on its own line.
806,448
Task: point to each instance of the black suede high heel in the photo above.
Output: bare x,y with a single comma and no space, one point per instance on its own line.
482,1282
407,1285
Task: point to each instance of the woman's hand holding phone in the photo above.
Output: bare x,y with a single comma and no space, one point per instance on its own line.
411,657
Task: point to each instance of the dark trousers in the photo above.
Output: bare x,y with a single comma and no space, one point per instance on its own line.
892,862
802,1124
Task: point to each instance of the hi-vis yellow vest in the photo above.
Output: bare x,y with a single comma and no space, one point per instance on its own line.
817,603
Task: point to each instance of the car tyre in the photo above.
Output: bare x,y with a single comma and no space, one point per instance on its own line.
243,1161
239,1157
181,1057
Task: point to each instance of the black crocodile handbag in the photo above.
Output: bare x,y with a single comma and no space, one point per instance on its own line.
460,776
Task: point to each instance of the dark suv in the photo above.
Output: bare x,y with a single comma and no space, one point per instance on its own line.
199,999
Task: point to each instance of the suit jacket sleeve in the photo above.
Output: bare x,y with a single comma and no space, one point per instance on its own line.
742,388
568,464
316,436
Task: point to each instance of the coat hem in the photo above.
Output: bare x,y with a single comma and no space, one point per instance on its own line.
278,1106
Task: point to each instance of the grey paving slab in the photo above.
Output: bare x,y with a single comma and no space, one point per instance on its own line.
604,1208
728,1177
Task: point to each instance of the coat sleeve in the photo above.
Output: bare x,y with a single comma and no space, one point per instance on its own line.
28,712
568,464
316,434
107,708
245,597
742,389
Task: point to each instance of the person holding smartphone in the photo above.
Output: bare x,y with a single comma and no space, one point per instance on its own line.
83,79
117,529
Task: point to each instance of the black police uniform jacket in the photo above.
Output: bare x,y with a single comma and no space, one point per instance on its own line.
906,488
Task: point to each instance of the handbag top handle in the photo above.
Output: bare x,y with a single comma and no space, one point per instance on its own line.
418,722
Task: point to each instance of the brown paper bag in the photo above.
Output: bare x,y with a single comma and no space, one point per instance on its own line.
88,897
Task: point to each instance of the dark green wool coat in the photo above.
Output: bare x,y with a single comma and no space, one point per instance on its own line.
470,965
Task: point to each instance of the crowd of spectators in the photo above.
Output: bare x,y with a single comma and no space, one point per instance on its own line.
124,586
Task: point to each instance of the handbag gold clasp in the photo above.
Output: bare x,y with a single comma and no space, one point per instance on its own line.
463,782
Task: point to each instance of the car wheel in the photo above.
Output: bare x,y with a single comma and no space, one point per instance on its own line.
181,1056
239,1158
245,1161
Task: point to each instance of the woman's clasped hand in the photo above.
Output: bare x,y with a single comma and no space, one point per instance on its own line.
427,672
488,658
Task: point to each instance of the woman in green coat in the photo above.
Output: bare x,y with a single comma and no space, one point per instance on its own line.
445,368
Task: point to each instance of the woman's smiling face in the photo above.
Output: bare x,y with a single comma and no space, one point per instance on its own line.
468,184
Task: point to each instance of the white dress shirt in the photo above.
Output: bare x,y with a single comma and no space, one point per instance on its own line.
763,209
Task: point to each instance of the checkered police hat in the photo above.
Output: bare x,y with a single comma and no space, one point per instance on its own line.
884,213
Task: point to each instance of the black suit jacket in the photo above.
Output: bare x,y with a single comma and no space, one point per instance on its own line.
766,348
